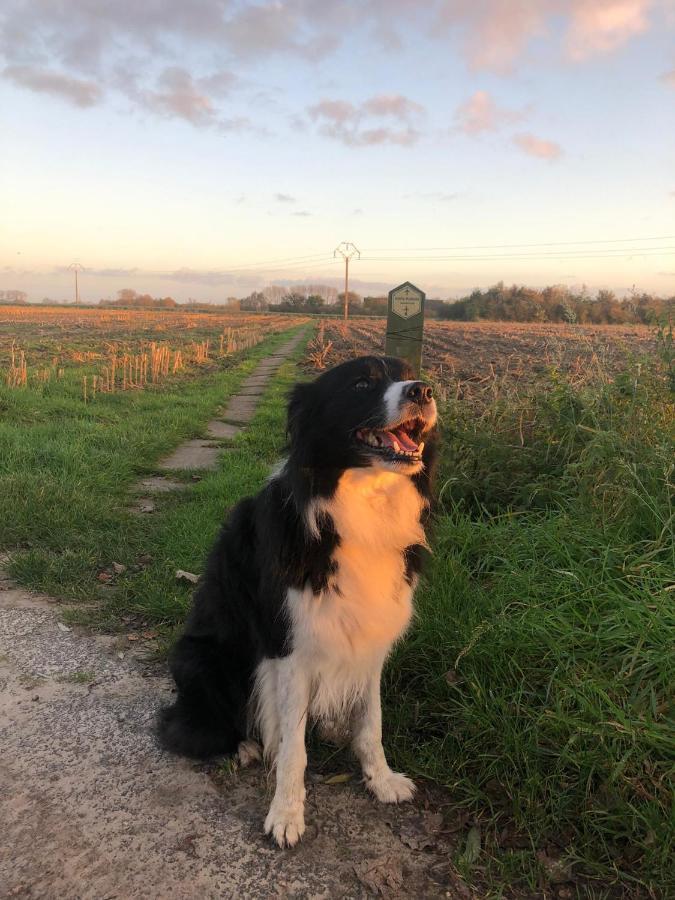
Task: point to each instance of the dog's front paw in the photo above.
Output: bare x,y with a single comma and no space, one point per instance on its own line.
286,824
391,787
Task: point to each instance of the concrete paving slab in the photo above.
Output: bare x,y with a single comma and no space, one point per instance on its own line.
223,431
241,409
197,454
255,390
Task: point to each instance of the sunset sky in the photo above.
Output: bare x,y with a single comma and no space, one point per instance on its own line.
209,148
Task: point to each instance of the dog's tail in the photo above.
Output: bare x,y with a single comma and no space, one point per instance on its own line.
209,715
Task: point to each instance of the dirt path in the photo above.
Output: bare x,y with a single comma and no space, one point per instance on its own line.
91,807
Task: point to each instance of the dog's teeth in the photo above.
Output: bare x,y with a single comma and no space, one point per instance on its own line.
397,449
421,447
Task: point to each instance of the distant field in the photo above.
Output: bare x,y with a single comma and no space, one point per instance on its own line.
116,349
457,354
466,353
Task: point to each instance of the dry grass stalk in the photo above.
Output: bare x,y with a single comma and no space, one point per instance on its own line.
17,375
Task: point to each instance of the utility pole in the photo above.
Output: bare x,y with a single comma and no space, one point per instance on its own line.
347,250
76,267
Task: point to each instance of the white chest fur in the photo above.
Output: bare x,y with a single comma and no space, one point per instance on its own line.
344,633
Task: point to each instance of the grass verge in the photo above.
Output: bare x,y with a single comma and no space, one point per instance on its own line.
537,682
66,471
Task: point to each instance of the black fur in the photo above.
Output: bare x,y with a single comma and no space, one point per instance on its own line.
238,616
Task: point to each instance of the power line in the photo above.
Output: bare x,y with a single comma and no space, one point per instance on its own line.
617,254
660,237
271,262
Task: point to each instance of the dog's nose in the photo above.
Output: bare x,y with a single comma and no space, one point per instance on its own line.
419,392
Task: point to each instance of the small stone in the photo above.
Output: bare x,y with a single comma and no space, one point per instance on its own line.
186,576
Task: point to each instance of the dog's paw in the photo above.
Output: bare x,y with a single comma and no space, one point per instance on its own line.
286,824
391,787
248,752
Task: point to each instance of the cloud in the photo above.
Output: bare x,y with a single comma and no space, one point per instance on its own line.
358,126
601,26
47,81
480,113
394,105
538,147
338,111
209,277
439,196
284,198
302,213
294,27
177,95
496,34
88,44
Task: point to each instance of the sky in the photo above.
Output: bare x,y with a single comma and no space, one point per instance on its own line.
206,149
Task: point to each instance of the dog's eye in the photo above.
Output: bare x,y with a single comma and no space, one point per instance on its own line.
362,384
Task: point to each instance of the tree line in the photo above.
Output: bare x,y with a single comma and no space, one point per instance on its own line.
557,303
499,303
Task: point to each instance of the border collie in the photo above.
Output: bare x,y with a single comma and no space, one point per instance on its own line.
309,585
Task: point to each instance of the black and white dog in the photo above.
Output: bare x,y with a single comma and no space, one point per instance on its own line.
309,585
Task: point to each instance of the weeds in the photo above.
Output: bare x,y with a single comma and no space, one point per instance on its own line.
537,683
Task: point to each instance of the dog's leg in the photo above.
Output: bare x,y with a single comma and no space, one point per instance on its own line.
388,786
266,708
286,818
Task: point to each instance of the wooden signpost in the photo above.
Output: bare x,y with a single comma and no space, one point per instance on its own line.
405,324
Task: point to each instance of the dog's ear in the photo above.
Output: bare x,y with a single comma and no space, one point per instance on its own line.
300,405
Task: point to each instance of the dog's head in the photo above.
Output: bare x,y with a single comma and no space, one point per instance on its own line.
370,411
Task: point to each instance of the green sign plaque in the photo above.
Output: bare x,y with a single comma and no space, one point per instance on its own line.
405,324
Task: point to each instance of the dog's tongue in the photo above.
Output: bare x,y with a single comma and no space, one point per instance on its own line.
387,438
404,441
400,436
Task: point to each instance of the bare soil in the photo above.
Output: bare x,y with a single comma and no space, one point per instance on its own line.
457,354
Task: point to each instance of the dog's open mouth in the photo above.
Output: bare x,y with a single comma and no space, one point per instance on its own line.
400,442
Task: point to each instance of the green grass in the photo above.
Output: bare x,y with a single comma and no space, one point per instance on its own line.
536,684
538,681
67,469
181,534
